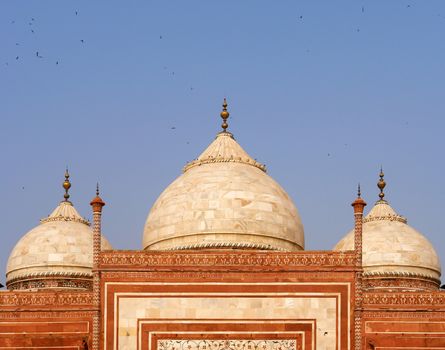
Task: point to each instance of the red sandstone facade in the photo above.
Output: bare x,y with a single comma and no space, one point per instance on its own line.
64,320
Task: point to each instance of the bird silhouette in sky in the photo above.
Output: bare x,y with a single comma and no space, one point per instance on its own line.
160,36
75,13
32,31
17,57
82,41
57,62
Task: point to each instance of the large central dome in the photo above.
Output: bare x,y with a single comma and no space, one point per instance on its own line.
224,200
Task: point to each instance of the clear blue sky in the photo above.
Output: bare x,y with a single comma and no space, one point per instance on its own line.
322,92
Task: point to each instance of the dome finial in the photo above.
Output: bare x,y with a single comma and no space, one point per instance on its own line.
224,115
66,185
381,184
97,189
358,191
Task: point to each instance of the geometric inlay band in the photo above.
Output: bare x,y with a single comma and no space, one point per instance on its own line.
224,344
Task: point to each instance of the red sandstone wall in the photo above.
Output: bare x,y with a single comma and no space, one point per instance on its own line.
45,320
397,321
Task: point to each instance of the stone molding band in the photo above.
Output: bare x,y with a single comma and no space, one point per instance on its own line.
65,218
231,245
211,160
388,217
236,260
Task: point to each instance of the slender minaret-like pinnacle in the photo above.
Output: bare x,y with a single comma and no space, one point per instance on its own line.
97,204
224,115
66,185
359,204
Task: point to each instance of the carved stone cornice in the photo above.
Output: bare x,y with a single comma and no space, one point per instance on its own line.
39,299
62,314
228,245
239,261
232,159
414,315
388,217
51,279
398,281
407,299
64,218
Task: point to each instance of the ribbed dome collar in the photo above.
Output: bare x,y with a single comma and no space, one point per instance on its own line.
65,211
224,149
382,211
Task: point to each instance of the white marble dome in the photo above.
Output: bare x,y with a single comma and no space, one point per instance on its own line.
392,247
60,248
224,200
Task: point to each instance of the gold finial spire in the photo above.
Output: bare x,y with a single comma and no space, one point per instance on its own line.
381,184
97,189
358,191
66,185
224,115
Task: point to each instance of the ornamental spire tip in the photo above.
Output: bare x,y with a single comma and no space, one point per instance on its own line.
381,184
66,185
224,115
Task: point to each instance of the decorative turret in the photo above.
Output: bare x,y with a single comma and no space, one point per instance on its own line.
55,254
395,255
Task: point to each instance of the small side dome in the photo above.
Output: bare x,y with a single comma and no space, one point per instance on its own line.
55,254
224,200
395,255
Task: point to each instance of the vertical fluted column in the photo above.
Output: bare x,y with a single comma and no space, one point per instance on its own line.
97,203
359,204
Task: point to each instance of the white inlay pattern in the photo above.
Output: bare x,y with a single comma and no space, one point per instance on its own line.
224,344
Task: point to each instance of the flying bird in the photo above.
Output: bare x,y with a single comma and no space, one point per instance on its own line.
75,13
173,127
160,36
32,31
82,41
57,62
17,57
363,8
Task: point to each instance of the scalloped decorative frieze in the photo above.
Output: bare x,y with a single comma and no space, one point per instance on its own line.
34,298
417,299
239,261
